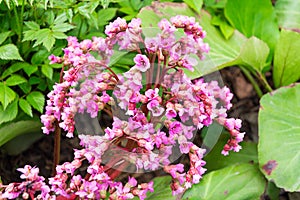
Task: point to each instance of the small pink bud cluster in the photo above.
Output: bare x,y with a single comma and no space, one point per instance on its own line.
162,114
32,186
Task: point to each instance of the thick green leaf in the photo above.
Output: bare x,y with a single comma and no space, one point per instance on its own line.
36,100
215,160
7,95
162,190
3,36
47,71
254,18
288,14
13,68
287,59
237,182
9,52
15,80
195,4
10,113
14,129
254,53
105,15
279,137
25,106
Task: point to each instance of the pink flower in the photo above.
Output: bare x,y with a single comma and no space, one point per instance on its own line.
141,62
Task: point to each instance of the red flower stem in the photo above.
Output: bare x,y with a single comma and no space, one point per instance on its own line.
56,151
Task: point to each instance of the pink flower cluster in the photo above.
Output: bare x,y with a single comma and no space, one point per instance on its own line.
159,109
32,186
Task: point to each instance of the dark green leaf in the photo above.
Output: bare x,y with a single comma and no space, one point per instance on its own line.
14,129
162,190
215,160
3,36
40,57
13,68
105,15
288,14
34,80
287,59
194,4
9,52
15,80
254,18
235,182
26,107
279,137
47,71
10,113
215,4
7,95
29,69
25,87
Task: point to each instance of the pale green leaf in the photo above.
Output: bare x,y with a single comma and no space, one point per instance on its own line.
49,42
47,71
195,4
254,53
3,36
287,59
288,14
41,36
59,35
279,137
10,113
7,95
15,129
9,52
254,18
29,35
36,100
64,27
60,18
15,80
236,182
25,106
32,25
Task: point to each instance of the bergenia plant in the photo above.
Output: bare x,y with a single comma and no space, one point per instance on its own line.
156,111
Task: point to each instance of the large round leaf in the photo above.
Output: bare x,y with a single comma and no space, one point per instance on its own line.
279,137
236,182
